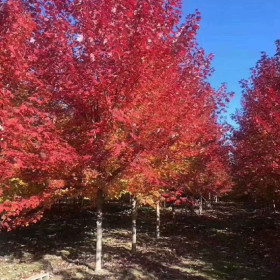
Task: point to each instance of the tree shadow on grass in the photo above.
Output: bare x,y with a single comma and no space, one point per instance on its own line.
234,241
227,243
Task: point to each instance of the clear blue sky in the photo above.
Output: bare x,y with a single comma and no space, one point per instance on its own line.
236,31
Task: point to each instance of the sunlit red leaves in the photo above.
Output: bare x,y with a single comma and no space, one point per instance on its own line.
257,142
109,92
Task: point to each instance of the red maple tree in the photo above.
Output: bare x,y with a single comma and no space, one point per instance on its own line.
256,142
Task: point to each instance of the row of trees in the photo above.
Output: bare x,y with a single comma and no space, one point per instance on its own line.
98,98
256,157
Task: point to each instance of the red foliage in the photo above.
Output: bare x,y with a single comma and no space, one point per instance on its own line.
257,141
178,202
184,199
97,93
165,195
178,193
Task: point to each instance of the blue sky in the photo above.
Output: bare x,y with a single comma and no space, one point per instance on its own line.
236,31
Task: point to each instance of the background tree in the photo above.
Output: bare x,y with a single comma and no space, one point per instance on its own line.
256,142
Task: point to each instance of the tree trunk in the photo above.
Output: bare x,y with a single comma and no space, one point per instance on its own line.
82,200
207,202
158,221
98,261
200,205
273,205
191,208
216,198
134,217
173,214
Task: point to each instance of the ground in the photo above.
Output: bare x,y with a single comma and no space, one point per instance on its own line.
226,243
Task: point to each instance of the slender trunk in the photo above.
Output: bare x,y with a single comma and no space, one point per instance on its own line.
216,198
59,206
200,205
134,217
173,214
207,202
164,203
273,205
191,208
158,221
82,200
98,262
